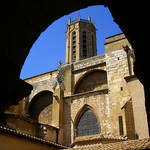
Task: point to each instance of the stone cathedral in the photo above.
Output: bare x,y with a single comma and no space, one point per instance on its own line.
90,99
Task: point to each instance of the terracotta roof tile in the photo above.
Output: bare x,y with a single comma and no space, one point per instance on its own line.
124,145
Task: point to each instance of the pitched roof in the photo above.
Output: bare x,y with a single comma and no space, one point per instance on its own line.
98,139
124,145
7,130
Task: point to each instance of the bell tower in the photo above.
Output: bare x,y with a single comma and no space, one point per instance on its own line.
80,39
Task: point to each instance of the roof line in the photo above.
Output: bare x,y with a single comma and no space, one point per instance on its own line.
30,137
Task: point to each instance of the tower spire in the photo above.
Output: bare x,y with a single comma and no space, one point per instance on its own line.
69,21
89,18
78,16
94,22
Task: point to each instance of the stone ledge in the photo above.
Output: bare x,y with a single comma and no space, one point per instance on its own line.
89,62
101,91
130,78
115,38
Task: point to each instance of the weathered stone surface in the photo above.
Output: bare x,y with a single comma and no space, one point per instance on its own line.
97,83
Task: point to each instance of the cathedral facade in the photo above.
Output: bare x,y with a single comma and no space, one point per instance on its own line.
90,98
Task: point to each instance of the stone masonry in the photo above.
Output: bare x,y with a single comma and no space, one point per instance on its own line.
103,84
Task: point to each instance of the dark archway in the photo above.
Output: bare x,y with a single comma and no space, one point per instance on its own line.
23,21
39,103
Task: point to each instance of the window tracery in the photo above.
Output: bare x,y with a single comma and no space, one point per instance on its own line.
87,124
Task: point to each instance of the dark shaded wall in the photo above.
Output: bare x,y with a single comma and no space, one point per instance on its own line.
39,103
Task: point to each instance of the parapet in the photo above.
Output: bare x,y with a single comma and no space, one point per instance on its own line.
115,38
116,42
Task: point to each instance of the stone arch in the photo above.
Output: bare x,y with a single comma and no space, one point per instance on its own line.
80,114
85,30
39,90
90,81
41,104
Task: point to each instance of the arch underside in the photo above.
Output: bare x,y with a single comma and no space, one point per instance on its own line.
91,81
40,107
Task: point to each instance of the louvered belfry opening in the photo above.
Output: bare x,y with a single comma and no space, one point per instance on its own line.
74,46
84,45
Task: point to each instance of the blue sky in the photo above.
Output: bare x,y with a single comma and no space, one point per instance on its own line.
49,48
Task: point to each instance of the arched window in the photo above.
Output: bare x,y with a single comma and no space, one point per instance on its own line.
74,46
87,124
84,45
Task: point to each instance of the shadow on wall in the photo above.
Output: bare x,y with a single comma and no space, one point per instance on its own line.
39,104
93,80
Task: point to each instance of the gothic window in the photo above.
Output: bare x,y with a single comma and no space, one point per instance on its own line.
84,45
74,46
87,124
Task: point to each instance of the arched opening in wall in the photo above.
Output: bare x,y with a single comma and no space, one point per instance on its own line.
40,107
91,81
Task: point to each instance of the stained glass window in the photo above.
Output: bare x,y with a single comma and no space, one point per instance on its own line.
87,124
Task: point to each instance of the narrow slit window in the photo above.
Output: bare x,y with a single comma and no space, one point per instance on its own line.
121,88
121,125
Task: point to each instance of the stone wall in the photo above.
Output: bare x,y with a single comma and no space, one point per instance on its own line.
45,116
138,100
91,81
107,102
89,62
117,69
42,82
30,127
97,100
115,63
83,67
